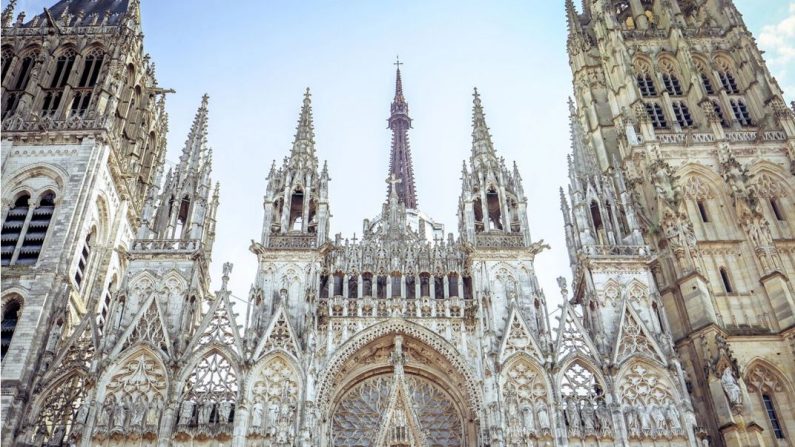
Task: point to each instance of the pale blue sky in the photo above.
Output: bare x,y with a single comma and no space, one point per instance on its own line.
255,58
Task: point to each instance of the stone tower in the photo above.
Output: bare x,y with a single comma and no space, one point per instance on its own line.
83,126
679,112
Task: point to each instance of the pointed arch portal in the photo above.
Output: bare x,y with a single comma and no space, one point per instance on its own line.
397,390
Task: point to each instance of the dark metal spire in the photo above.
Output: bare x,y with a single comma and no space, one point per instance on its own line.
400,167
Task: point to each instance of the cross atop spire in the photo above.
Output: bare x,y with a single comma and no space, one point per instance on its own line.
196,153
400,166
303,151
481,137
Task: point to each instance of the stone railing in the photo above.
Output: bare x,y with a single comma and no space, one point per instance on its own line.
166,246
297,241
369,307
17,123
617,250
499,240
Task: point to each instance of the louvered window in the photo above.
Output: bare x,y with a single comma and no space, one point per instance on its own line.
707,83
728,82
656,115
12,228
37,230
672,84
741,113
646,85
82,263
682,114
9,325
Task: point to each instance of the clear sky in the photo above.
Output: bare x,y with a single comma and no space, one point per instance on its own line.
255,58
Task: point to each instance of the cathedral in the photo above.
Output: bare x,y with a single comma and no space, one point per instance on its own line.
678,328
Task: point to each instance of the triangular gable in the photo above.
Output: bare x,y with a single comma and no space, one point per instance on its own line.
279,335
400,414
218,326
634,339
148,326
572,337
517,337
78,351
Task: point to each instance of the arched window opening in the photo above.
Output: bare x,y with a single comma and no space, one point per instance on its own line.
82,263
741,113
211,393
381,284
18,85
452,284
682,114
397,280
719,113
776,207
54,93
728,82
411,292
182,217
296,210
425,284
353,286
772,416
367,284
9,325
338,284
495,214
646,85
598,224
702,211
7,57
104,307
707,84
13,226
467,287
324,286
91,68
37,230
478,208
727,285
438,287
656,115
672,84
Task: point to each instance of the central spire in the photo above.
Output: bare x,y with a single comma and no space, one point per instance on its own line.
400,167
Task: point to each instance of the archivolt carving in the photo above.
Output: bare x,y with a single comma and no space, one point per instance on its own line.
397,326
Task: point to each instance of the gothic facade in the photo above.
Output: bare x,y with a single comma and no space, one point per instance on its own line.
679,330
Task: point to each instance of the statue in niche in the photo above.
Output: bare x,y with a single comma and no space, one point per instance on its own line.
633,423
673,419
573,415
588,417
528,419
137,412
731,388
543,416
224,410
153,412
205,411
82,415
605,418
186,412
105,414
120,413
659,419
272,419
256,416
645,419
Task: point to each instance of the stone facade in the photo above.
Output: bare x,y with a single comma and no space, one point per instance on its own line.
406,336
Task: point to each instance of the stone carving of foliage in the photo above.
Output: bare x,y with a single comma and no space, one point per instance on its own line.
696,189
210,393
760,379
134,398
767,187
365,406
61,412
633,340
274,402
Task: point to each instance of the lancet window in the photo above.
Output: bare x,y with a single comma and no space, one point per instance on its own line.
727,284
11,312
25,228
296,210
656,115
85,256
92,65
54,93
18,84
494,209
7,57
741,113
682,114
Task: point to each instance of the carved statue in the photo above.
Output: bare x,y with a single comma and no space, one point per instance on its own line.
528,420
256,416
573,415
673,419
186,412
659,419
730,387
645,419
588,417
204,412
105,414
120,413
543,416
633,424
153,412
224,410
605,418
137,412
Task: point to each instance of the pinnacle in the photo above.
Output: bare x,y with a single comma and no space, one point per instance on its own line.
304,143
196,151
481,138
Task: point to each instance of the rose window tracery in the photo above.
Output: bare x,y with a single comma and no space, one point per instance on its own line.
361,412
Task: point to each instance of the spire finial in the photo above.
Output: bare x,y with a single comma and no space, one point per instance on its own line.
8,13
398,83
481,138
304,142
194,154
400,166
